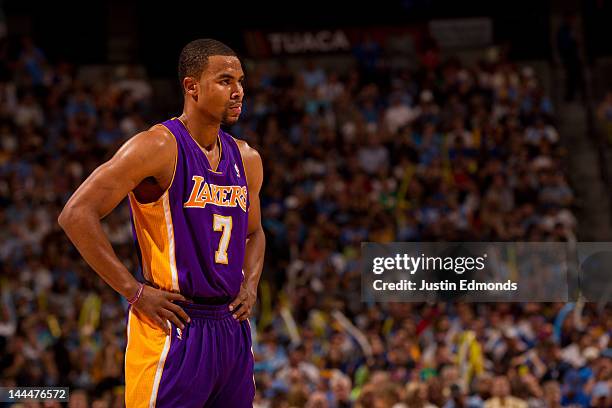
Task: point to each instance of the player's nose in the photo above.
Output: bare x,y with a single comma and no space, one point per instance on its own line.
237,92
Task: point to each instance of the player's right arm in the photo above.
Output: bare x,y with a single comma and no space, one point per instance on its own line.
148,154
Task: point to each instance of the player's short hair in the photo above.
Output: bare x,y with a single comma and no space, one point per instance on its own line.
194,56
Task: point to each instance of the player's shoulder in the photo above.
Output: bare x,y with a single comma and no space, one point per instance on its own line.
248,153
160,136
157,142
156,139
253,165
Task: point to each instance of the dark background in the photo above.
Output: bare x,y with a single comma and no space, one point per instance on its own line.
83,32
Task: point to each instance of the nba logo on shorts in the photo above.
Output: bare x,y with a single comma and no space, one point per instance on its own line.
179,334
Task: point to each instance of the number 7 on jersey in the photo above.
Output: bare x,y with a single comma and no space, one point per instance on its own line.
222,224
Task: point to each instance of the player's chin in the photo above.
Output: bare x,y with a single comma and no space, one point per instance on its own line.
230,119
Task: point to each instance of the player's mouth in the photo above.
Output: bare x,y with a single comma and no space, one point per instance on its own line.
236,109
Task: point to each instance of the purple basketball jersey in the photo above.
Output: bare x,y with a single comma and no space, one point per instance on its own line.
210,215
193,238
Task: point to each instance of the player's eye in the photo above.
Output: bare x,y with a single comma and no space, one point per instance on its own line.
225,82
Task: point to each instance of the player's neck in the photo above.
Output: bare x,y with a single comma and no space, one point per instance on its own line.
204,132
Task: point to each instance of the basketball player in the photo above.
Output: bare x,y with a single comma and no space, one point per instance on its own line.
194,197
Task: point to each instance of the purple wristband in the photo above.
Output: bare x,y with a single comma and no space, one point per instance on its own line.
137,296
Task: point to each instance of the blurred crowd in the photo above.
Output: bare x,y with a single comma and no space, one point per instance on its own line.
443,151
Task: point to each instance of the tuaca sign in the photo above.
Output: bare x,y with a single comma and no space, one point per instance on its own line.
267,44
264,44
309,41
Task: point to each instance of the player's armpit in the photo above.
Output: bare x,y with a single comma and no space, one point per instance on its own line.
148,154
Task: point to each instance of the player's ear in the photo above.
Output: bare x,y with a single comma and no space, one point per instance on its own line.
190,86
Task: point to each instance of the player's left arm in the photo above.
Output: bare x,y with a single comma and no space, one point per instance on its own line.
256,240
